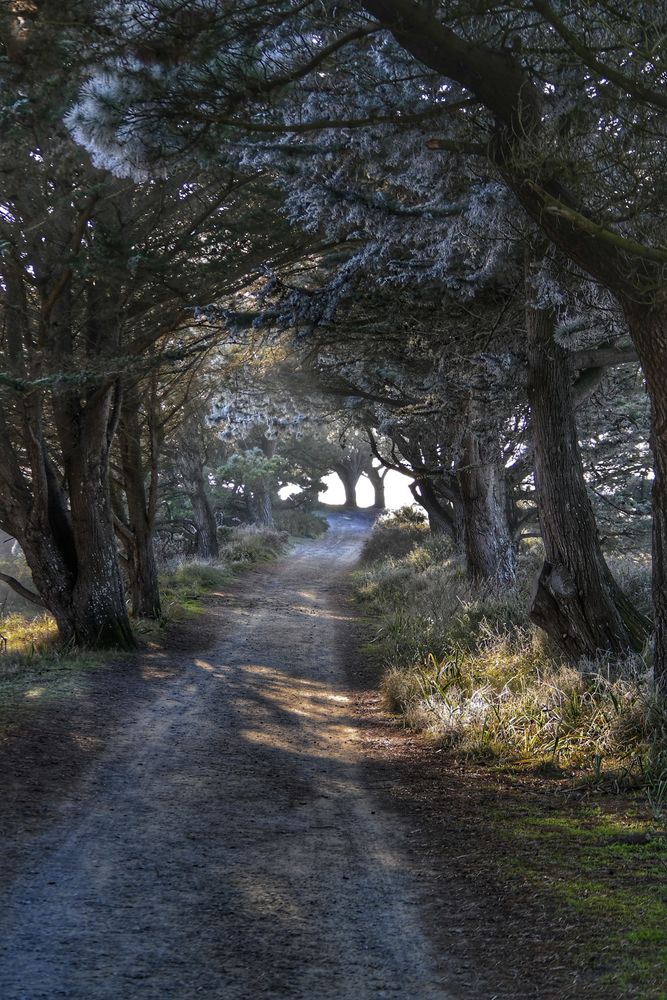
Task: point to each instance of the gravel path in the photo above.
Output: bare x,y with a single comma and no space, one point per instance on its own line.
224,845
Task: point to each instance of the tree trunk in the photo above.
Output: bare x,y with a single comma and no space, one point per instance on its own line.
142,567
577,601
376,480
98,601
442,520
649,333
489,546
51,576
262,508
349,481
71,552
206,546
262,504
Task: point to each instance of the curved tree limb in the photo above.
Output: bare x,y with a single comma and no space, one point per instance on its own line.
24,592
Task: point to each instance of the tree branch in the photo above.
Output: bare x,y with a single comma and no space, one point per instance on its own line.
588,57
24,592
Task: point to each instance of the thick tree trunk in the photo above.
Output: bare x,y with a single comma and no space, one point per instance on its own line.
376,480
51,576
142,567
349,480
649,333
100,615
206,546
489,545
262,503
71,553
577,601
442,520
262,508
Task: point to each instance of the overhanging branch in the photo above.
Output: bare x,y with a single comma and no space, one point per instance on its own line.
24,592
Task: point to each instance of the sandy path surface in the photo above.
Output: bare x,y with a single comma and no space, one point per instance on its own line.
224,845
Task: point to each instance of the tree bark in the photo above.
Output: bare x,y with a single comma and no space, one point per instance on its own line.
489,544
142,567
349,479
443,519
98,600
262,502
576,601
262,507
648,327
206,545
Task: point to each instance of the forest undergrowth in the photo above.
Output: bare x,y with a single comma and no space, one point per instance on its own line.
580,749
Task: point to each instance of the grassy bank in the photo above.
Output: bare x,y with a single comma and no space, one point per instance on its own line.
185,584
470,669
575,756
36,669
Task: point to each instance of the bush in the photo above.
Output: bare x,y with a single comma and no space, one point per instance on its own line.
301,523
633,573
394,536
252,545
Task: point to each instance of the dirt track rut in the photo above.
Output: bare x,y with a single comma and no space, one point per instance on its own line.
224,845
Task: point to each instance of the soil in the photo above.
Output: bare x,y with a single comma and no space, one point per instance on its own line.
234,817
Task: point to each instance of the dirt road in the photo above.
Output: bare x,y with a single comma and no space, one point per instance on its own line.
224,845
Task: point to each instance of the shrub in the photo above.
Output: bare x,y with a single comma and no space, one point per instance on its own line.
252,545
633,573
301,523
392,538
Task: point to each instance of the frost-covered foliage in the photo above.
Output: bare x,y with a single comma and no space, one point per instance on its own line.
304,89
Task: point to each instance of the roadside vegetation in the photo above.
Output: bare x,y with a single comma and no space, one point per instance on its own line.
580,748
36,667
468,667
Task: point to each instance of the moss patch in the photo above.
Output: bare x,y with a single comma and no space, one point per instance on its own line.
609,870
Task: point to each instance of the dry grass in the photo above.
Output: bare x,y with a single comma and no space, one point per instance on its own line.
21,636
183,585
470,669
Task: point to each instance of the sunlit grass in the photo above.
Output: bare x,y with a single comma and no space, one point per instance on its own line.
470,669
26,636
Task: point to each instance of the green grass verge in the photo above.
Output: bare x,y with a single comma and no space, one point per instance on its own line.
610,870
31,682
